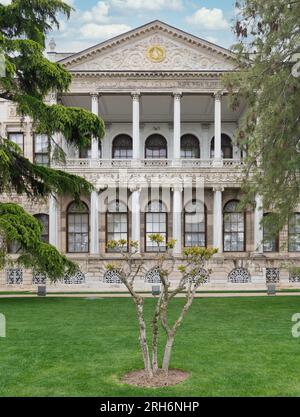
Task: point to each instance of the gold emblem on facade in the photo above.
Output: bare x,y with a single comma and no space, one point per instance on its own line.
156,53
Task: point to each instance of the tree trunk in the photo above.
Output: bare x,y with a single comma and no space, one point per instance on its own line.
155,322
143,338
167,353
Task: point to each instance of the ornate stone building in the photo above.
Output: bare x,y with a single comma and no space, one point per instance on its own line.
167,164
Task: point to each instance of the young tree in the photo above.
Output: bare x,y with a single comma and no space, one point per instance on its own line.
268,78
29,77
193,275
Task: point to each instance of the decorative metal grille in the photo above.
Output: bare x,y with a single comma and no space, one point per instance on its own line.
152,276
294,277
203,275
78,278
14,276
39,279
272,275
239,276
112,277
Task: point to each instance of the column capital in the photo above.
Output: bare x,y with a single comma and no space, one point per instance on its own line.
94,95
136,95
177,187
177,95
218,188
135,188
218,95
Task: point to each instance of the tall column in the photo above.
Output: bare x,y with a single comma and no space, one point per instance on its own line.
136,126
177,126
94,221
177,219
258,230
217,219
95,110
218,129
136,215
53,221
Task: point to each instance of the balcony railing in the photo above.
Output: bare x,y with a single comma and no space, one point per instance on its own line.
159,163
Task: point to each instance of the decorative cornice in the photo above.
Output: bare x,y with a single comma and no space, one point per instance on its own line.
145,74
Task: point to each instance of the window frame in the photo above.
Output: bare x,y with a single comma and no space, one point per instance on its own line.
107,250
289,233
276,240
166,148
40,153
17,133
212,144
88,226
186,136
244,231
151,233
48,228
185,213
126,148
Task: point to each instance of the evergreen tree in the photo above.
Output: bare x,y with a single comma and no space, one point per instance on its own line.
29,77
268,79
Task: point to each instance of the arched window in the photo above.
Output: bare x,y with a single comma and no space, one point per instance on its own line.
122,147
234,227
294,233
44,220
156,222
156,147
195,224
85,152
190,147
116,222
226,147
270,242
78,228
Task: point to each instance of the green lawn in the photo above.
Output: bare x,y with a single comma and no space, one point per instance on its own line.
80,347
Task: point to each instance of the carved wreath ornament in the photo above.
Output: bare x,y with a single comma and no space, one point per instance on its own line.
156,53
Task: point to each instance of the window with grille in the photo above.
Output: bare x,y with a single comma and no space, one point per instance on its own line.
78,228
156,222
156,147
239,276
17,138
226,147
41,150
44,220
195,224
122,147
234,227
190,147
116,223
294,233
14,276
270,242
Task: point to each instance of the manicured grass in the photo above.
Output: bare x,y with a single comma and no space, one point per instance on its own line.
80,347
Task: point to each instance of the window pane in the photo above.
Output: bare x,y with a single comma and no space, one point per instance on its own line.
18,139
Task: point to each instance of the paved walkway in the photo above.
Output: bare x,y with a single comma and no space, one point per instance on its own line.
125,295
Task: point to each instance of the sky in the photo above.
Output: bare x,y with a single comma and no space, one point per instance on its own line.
94,21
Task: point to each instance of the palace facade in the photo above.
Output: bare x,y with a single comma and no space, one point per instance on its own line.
168,164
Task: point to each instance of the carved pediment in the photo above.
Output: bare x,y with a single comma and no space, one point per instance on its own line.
153,50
